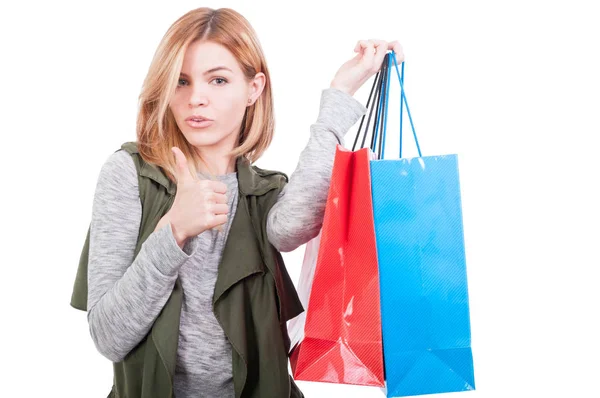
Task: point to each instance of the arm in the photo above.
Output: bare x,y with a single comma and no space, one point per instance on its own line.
125,295
298,214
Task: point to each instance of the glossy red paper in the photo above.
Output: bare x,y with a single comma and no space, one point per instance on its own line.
338,338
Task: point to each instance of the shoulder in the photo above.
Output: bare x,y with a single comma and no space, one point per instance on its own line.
118,171
119,162
272,182
272,176
130,146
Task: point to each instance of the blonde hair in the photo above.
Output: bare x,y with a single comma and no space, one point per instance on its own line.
156,128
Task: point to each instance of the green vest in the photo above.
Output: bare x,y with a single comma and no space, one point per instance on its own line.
253,299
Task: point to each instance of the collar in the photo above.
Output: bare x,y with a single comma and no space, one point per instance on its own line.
251,179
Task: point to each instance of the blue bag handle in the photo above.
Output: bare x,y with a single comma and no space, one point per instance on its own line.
402,101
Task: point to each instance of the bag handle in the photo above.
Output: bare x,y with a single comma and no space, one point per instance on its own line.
377,87
384,106
402,101
381,84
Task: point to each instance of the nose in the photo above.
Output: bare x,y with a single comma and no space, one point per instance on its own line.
197,98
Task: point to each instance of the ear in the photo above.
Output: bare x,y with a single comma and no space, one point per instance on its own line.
255,87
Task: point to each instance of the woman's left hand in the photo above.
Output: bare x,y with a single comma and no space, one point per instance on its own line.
355,72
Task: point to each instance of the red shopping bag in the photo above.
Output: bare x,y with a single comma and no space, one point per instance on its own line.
338,338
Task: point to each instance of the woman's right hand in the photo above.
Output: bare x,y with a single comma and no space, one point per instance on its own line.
199,205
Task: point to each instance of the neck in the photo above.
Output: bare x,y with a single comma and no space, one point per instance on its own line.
214,164
215,159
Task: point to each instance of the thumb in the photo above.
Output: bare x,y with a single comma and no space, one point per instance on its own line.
183,172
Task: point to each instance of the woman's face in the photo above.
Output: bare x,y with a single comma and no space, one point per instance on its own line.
212,86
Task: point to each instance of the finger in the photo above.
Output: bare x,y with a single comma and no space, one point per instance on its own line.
219,198
219,219
216,221
398,51
360,45
183,172
364,44
367,49
214,191
381,47
219,209
379,44
217,186
395,46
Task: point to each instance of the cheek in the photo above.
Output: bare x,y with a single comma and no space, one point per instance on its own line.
232,108
175,107
179,101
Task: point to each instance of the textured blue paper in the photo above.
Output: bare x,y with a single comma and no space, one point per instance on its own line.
424,296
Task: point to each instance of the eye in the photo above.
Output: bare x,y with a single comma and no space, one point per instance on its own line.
181,80
221,79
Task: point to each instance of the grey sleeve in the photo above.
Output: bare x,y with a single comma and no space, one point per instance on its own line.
297,216
125,295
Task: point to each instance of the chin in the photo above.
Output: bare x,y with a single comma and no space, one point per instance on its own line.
203,138
200,142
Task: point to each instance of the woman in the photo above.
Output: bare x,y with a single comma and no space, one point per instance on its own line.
206,114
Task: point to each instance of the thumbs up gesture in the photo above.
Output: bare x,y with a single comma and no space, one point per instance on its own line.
199,205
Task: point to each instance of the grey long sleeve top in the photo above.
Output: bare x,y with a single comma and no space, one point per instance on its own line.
126,294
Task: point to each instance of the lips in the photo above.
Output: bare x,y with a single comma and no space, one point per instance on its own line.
198,124
197,118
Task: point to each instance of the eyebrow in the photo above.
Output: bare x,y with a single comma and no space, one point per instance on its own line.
217,68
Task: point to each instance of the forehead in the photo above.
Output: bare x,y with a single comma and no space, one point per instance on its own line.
202,56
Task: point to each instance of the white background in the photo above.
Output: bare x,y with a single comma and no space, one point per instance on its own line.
510,86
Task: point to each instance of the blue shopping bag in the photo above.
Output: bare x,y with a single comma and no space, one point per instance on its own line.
422,268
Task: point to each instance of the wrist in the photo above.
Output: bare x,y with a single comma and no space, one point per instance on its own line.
341,87
179,236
